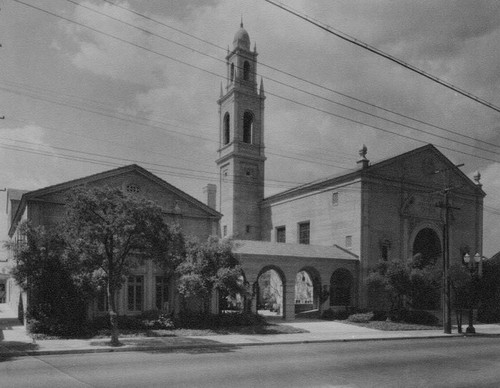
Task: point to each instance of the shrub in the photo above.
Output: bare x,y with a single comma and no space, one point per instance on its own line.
192,320
418,317
332,315
156,320
379,315
65,321
397,315
360,317
489,314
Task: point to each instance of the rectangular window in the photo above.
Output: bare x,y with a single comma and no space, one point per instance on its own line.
348,242
281,234
161,293
385,252
224,231
335,199
304,233
102,300
135,293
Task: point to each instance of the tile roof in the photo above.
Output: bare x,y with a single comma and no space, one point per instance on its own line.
263,248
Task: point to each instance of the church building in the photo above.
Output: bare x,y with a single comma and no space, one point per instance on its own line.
333,231
313,245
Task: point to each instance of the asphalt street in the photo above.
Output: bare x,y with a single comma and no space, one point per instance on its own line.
453,362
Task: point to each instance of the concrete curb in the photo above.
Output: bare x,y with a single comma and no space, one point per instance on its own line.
173,348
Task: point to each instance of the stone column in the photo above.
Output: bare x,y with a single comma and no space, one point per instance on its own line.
288,302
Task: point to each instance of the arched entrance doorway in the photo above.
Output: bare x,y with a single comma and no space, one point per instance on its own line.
426,247
270,292
426,252
341,286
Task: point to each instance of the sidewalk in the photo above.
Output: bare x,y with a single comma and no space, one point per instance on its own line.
14,341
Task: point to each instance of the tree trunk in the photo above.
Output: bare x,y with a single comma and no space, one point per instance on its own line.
113,316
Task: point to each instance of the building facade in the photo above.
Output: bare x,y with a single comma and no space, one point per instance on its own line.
339,228
315,244
145,288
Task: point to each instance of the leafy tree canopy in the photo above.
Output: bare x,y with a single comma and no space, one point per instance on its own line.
108,232
210,266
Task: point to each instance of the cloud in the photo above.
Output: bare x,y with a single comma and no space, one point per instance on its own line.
97,51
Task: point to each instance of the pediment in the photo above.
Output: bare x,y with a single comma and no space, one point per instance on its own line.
136,181
427,168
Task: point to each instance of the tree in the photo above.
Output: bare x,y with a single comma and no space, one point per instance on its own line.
108,232
56,299
207,267
406,284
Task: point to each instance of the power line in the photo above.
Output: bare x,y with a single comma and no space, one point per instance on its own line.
134,120
301,90
290,75
276,95
374,50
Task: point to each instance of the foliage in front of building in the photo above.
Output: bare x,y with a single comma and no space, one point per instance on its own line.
488,293
208,267
107,232
406,285
58,293
104,236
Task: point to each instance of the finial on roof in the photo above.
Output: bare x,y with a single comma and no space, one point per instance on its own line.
221,94
477,178
363,161
261,91
241,24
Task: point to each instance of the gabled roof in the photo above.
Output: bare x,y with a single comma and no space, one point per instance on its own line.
64,186
266,248
357,174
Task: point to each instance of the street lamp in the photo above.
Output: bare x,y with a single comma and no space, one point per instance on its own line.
474,265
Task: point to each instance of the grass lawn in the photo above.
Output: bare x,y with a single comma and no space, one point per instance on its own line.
256,329
392,326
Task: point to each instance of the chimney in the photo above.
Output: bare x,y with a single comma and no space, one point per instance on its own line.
210,193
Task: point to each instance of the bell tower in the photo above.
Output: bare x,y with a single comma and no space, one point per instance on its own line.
241,142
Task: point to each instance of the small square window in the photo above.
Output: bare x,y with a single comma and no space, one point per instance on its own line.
335,199
348,242
281,234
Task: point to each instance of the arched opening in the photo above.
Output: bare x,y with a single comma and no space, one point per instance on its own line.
226,129
247,127
341,284
270,298
232,72
426,252
246,71
426,247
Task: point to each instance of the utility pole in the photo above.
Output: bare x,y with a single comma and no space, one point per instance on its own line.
445,205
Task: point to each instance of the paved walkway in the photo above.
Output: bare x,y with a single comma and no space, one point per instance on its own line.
14,341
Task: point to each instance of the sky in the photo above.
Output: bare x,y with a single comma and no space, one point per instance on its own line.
90,85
